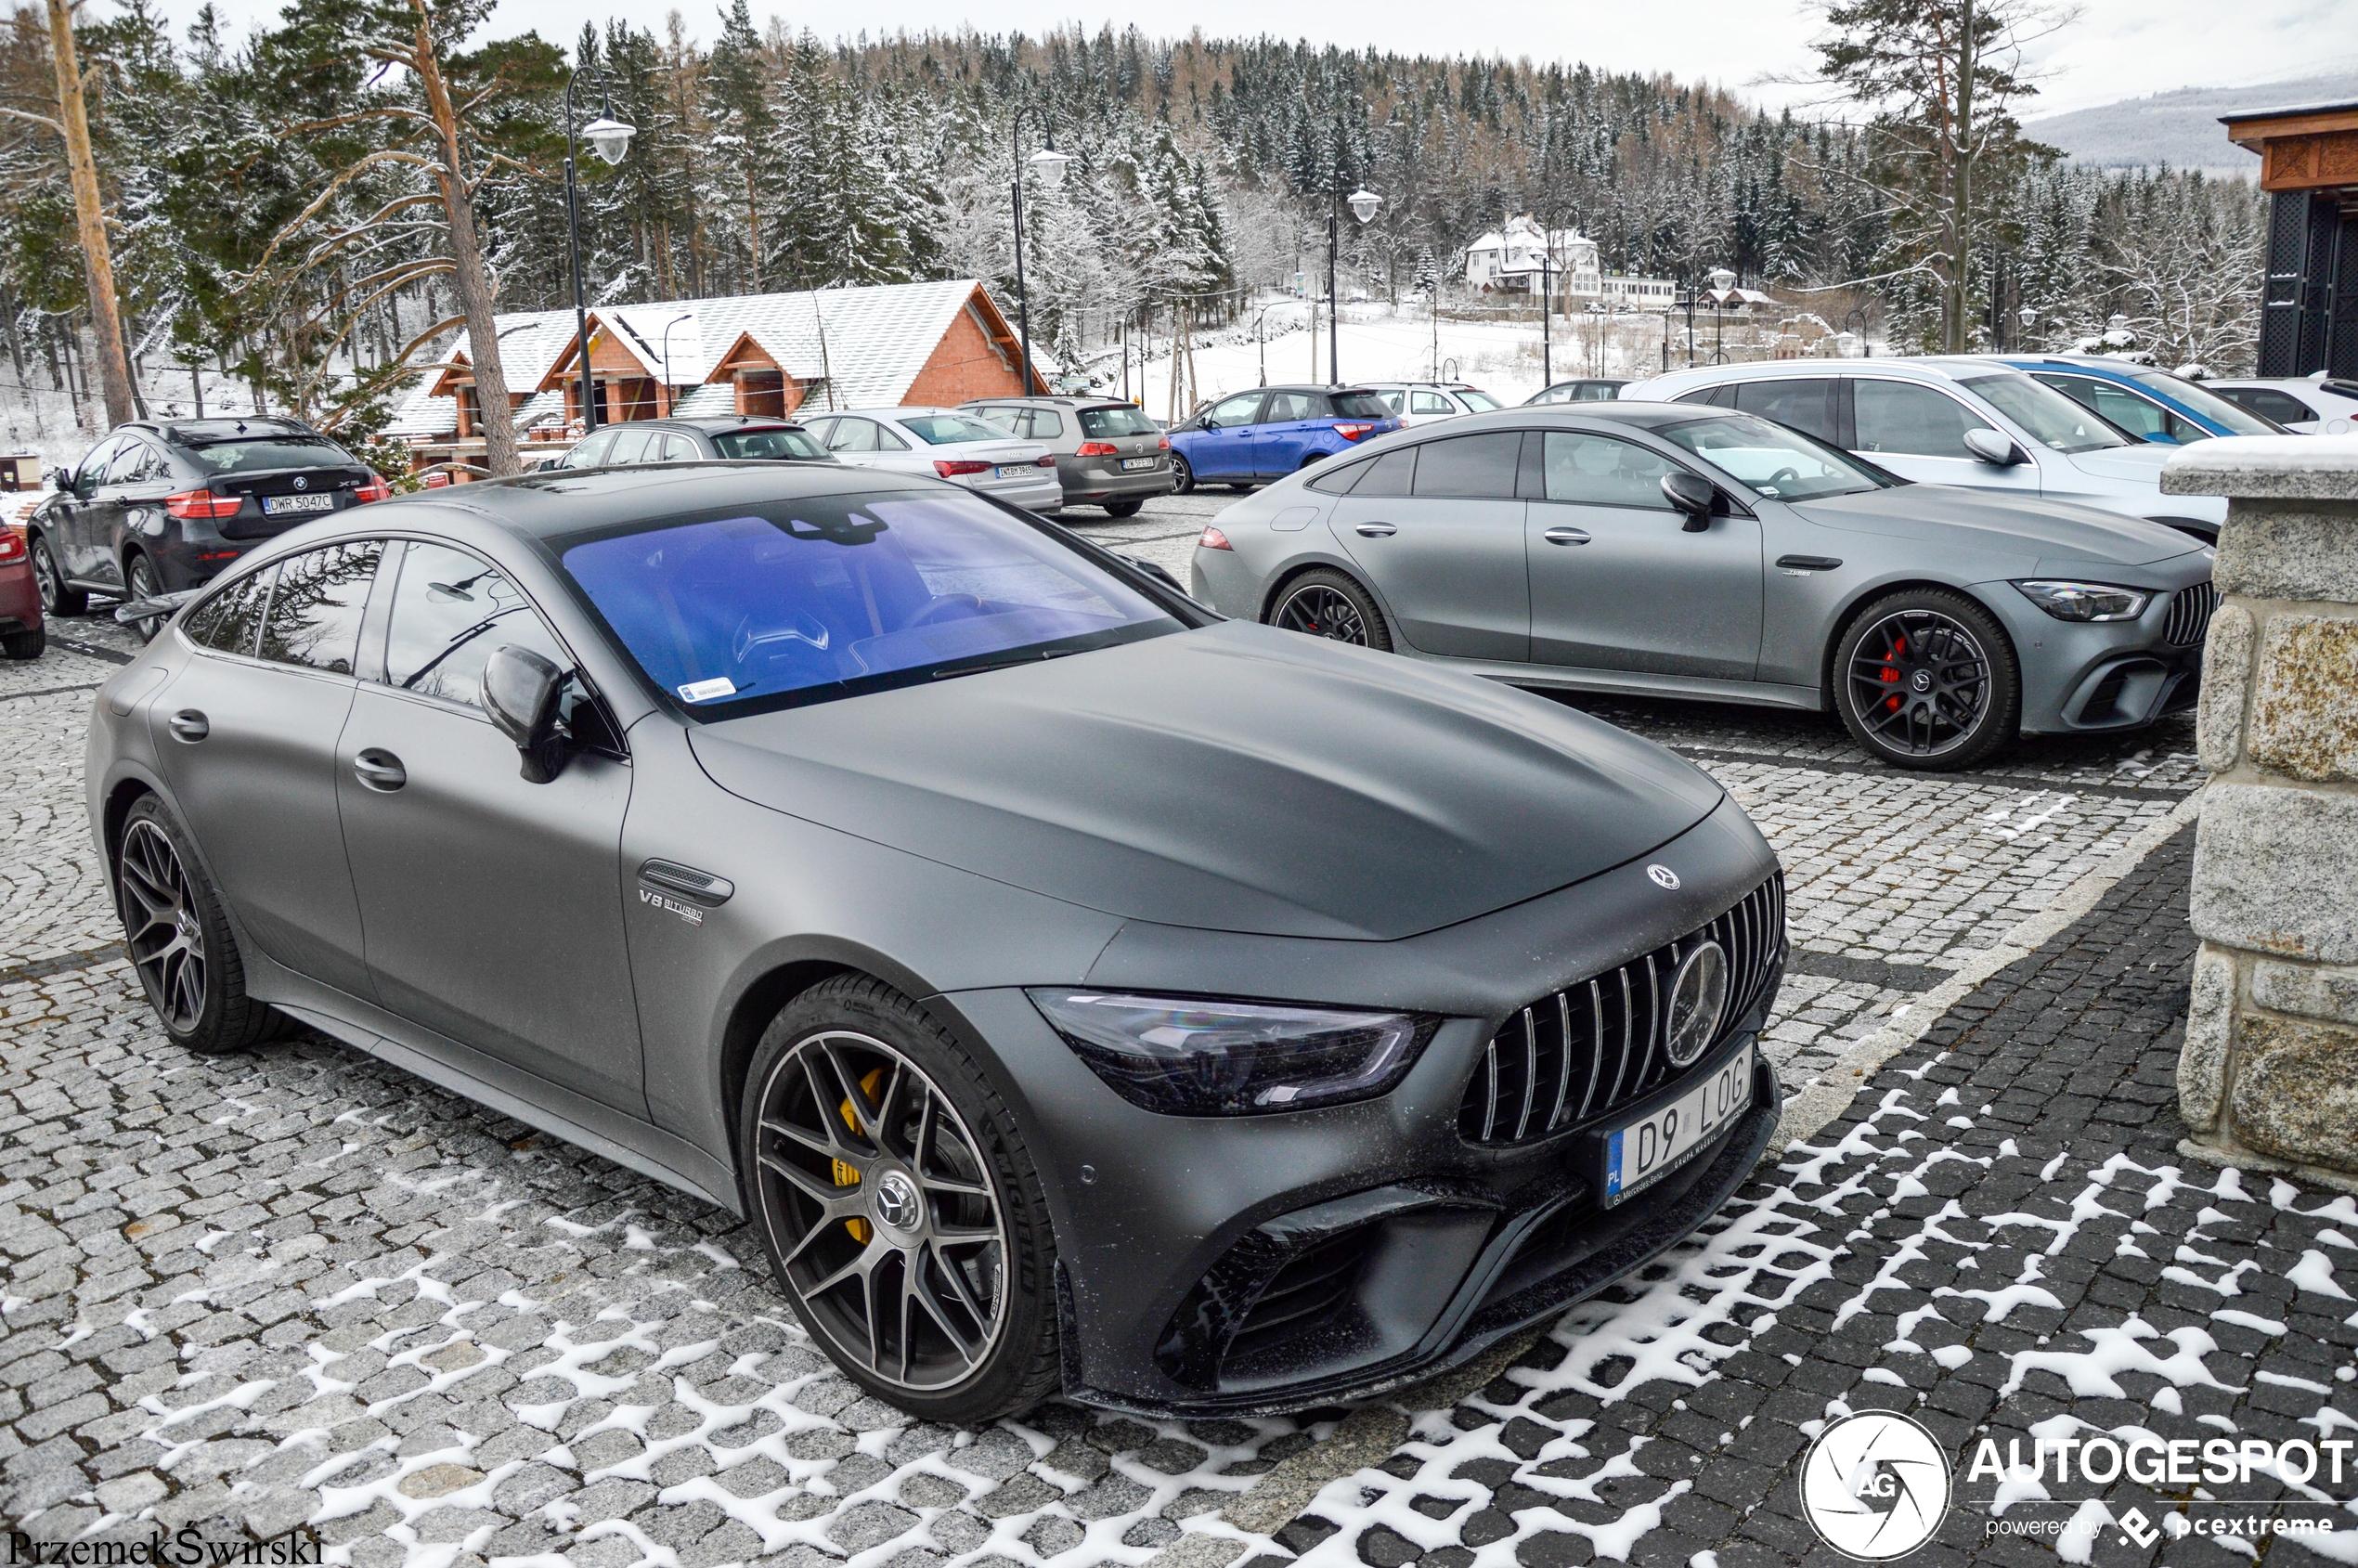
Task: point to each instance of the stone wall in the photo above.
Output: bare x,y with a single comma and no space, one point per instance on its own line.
2270,1066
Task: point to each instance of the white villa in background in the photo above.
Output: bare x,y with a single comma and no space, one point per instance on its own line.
1510,260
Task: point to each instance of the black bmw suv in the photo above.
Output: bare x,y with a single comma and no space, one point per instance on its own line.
163,505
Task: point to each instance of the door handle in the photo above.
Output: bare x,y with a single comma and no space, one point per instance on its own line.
1376,530
1566,535
381,771
189,725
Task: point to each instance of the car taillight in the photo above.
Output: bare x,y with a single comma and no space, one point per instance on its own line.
11,546
437,479
1353,431
376,489
1162,443
1213,539
203,503
1096,449
950,468
1048,459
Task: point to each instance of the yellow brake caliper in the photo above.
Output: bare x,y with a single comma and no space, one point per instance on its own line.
845,1174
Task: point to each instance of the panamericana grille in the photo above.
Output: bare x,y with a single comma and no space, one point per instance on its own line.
2189,615
1598,1044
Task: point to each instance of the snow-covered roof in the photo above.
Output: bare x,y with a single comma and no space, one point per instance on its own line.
868,343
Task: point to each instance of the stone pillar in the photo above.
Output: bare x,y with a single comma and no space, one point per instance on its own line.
2269,1075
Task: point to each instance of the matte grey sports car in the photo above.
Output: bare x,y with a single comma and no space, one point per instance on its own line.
1689,551
1071,986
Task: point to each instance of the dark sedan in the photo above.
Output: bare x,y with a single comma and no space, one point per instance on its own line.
1075,989
163,506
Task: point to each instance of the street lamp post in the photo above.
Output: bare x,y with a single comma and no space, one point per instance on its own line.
609,138
1051,164
1721,281
683,316
1859,313
1363,203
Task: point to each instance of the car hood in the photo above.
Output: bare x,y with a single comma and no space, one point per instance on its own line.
1230,778
1977,520
2140,464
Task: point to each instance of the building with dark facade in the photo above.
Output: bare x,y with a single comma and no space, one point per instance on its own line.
2309,162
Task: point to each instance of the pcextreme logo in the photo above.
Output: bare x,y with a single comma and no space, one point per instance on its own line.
1874,1486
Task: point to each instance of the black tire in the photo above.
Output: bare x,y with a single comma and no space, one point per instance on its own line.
1927,679
1183,481
1327,603
1124,509
25,644
56,598
140,581
178,940
864,1202
1245,488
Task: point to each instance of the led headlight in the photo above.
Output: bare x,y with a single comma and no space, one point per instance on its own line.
1189,1056
2086,601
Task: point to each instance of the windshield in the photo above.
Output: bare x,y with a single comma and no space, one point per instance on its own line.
774,442
1480,402
1770,459
2210,405
942,429
807,600
1099,424
267,452
2050,417
1365,405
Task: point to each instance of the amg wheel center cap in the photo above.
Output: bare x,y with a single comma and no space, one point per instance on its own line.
1921,680
898,1206
1698,996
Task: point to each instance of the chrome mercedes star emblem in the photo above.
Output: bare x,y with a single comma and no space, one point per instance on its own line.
1664,877
898,1205
1922,680
1698,995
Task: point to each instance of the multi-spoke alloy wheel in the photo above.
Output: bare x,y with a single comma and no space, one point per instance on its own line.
162,926
1324,604
1928,680
883,1210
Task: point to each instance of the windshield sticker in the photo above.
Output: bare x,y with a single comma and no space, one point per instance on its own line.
705,690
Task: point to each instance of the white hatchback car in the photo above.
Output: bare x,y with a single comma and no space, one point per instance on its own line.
2318,404
1952,421
1424,402
948,444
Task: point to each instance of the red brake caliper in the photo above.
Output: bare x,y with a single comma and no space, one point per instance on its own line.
1890,676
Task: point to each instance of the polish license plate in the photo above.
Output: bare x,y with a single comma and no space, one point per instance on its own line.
1131,465
279,506
1643,1152
1026,471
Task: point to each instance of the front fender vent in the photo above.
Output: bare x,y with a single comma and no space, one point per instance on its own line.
1582,1051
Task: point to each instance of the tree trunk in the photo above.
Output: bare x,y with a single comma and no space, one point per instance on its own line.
468,277
1961,271
89,218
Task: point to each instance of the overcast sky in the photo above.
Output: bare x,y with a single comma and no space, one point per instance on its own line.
2117,49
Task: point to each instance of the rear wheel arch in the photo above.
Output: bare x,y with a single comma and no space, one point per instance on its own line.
115,814
1301,569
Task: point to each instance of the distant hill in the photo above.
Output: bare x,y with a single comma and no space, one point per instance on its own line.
2180,128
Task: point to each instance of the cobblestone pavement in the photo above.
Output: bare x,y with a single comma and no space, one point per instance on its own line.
300,1286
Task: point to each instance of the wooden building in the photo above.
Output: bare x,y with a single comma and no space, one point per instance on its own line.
882,346
2308,163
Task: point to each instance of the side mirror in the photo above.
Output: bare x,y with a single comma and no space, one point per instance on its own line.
520,692
1691,494
1993,448
59,478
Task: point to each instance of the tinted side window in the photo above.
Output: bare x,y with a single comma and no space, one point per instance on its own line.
589,452
1595,392
228,620
1916,421
1806,403
1470,465
1601,471
630,446
1391,475
94,465
1234,411
1339,481
1286,408
315,614
450,610
127,463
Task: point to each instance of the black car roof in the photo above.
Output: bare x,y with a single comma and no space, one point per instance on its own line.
565,502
